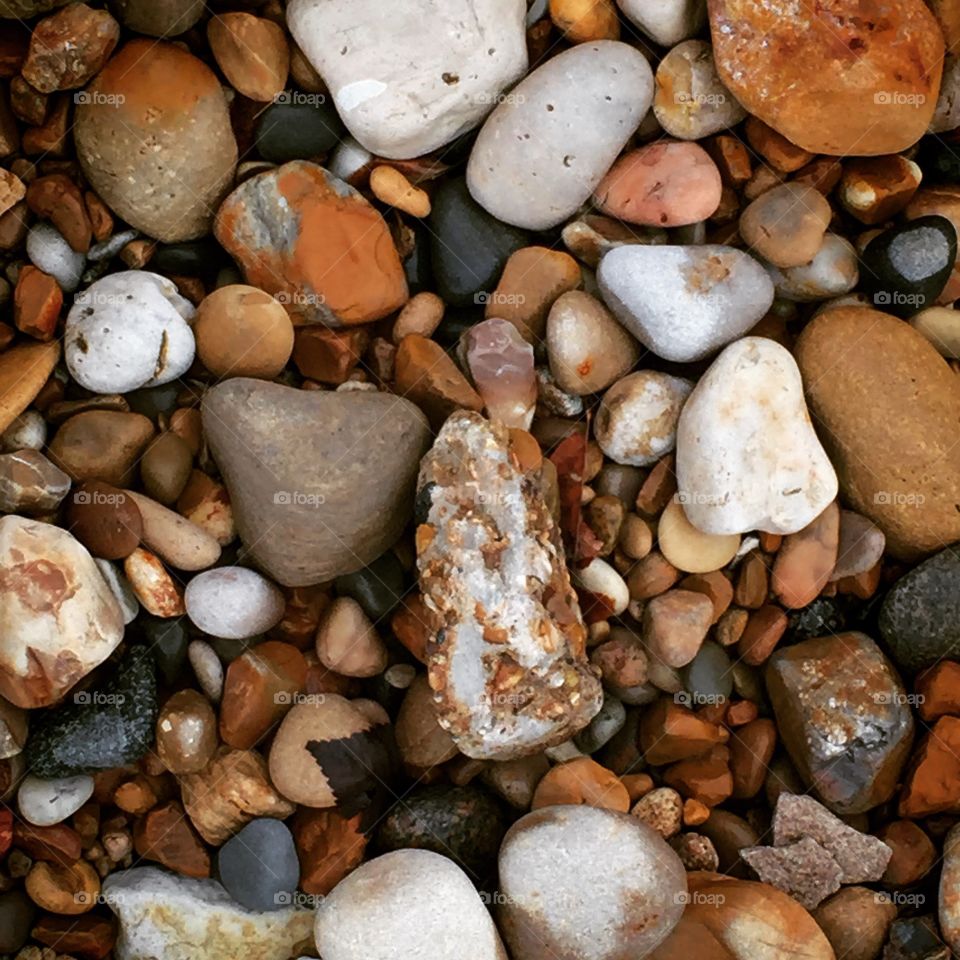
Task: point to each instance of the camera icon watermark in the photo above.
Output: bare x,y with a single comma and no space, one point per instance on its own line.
298,498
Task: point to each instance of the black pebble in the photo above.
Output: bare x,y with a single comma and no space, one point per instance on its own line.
825,615
417,265
298,130
192,258
17,914
167,640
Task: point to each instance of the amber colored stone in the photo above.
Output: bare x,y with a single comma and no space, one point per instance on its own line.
305,605
938,691
58,843
658,487
637,784
695,812
713,585
806,560
707,778
104,519
751,750
670,732
931,784
37,300
863,585
252,52
141,793
261,685
410,623
427,376
762,633
58,199
329,356
732,158
186,732
770,542
741,712
420,739
914,853
822,173
67,888
874,189
99,215
329,846
651,576
166,836
90,936
777,150
753,582
581,781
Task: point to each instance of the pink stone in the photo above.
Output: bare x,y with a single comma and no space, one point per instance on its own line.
501,364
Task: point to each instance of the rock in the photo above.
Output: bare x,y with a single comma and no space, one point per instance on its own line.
61,618
36,305
347,641
13,730
874,189
17,912
880,83
786,225
684,303
50,252
252,52
152,585
806,559
949,895
544,149
602,582
663,184
832,272
160,18
175,540
128,330
166,467
22,9
24,369
941,327
130,128
242,331
233,602
913,498
803,869
120,588
666,23
391,187
207,668
421,741
620,860
290,229
400,106
928,787
110,726
919,616
302,523
230,792
581,781
28,431
469,249
297,126
856,921
532,693
661,809
916,938
259,866
186,735
30,483
675,624
636,422
914,854
587,349
329,846
465,824
402,904
729,450
46,802
861,546
164,835
180,918
501,365
842,714
101,445
690,549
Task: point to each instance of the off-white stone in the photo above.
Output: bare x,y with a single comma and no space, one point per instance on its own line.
833,272
46,802
666,21
233,603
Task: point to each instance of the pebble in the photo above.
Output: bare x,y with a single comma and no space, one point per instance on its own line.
661,809
684,303
207,667
296,260
806,560
856,921
941,327
297,127
675,624
27,431
501,364
842,714
921,612
666,23
51,646
619,859
175,540
880,100
233,603
391,187
911,499
403,904
49,251
746,447
301,522
914,854
165,468
874,189
905,268
243,332
690,101
162,18
101,445
348,643
44,802
165,915
378,587
470,249
37,303
786,225
581,21
603,727
17,917
690,549
421,741
833,272
24,370
501,706
709,677
861,546
394,102
30,483
258,866
544,149
421,314
153,586
186,733
127,331
803,869
329,846
109,726
252,52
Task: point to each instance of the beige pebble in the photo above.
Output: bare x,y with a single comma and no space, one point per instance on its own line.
636,537
941,326
786,225
421,314
390,186
347,641
690,549
174,539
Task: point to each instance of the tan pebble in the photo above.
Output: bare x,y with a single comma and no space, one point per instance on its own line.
165,468
252,53
421,314
176,540
206,504
636,537
637,784
185,423
675,625
69,889
581,781
688,548
714,585
186,732
391,187
785,225
581,21
695,812
152,584
347,642
730,626
421,740
651,576
661,809
753,581
806,560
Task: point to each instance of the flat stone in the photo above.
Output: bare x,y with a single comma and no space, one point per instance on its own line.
310,501
165,835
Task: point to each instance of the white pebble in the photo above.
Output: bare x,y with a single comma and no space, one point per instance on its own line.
46,802
49,252
208,669
26,432
233,603
600,578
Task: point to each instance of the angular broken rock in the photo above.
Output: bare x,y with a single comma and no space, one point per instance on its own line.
321,483
803,869
30,483
180,918
60,619
506,656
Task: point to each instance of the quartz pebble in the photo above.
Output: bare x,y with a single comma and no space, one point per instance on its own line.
233,602
27,431
684,303
543,150
786,225
44,802
207,667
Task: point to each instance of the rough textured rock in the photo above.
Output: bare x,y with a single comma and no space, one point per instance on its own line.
843,716
60,618
409,83
507,660
315,244
914,496
131,127
747,455
949,896
322,483
833,78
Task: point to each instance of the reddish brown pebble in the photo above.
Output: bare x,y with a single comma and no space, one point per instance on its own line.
751,749
329,356
715,586
581,781
166,836
104,519
913,853
329,846
658,488
670,732
186,732
930,784
36,303
762,633
58,199
938,691
806,560
707,778
428,377
58,843
90,937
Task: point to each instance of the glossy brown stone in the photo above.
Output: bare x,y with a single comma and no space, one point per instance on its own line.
104,519
186,732
101,445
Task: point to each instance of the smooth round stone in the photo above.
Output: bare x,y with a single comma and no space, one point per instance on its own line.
207,668
297,131
833,272
636,423
468,246
233,603
50,252
165,467
785,225
104,519
623,863
395,100
157,93
159,18
173,538
128,330
664,184
600,578
28,431
666,21
586,347
186,732
378,587
684,303
463,823
940,325
690,549
406,904
906,267
747,454
46,802
17,915
259,867
709,677
253,54
860,548
690,100
544,149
